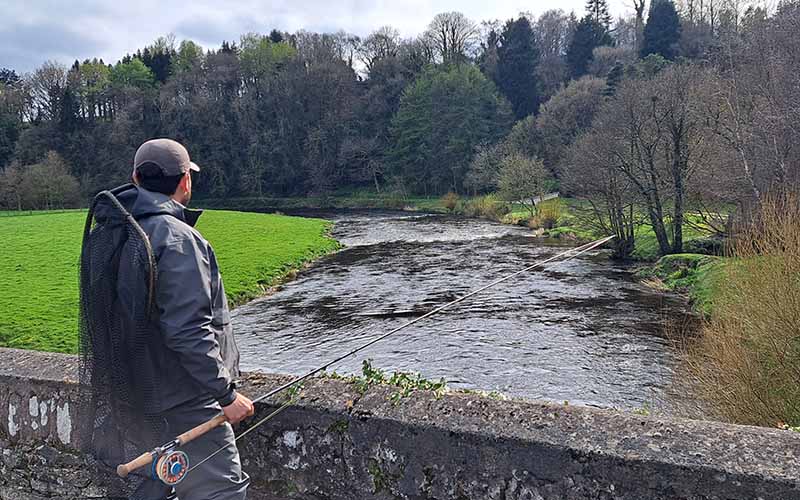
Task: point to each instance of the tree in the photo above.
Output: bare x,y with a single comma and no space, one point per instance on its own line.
158,57
662,32
589,35
654,134
12,104
566,116
484,169
42,186
443,115
46,86
452,36
516,67
554,31
380,44
523,180
598,10
604,59
593,176
487,59
132,74
188,57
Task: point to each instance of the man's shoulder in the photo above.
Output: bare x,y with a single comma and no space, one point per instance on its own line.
165,230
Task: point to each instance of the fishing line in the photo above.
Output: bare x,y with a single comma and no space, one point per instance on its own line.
567,255
165,450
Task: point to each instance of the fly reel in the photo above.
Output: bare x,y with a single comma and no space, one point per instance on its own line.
171,467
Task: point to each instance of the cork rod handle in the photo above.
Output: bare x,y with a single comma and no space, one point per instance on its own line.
201,429
142,460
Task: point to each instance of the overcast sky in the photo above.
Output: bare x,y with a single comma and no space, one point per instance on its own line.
33,31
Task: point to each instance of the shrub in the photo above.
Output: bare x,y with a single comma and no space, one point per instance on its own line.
489,206
450,201
747,360
548,214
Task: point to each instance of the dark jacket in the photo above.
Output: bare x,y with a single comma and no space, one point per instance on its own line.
193,353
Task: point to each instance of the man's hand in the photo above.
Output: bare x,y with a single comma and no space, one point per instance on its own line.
240,409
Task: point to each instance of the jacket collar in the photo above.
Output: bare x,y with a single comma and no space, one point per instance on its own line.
150,203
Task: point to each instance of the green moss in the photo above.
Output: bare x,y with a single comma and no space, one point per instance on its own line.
39,268
339,427
379,480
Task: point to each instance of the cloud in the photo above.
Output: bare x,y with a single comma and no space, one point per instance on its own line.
34,31
26,45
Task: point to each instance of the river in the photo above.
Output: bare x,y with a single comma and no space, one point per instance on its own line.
584,331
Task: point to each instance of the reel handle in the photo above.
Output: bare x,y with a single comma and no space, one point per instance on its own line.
201,429
142,460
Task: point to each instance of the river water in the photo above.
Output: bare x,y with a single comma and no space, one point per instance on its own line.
584,331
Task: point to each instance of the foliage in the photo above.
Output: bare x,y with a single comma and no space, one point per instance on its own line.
443,115
488,206
746,360
38,272
450,201
663,30
517,57
598,10
567,115
643,151
44,186
589,34
132,74
699,276
405,382
548,214
523,180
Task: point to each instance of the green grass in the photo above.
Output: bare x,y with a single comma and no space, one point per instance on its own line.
696,275
39,266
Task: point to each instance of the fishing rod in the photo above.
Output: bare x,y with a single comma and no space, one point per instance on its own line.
171,465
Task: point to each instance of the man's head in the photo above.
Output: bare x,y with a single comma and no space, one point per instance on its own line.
163,166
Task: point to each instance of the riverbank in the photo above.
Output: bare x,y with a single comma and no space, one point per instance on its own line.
559,218
699,277
39,268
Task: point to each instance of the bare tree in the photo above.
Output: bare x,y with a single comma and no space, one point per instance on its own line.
453,36
380,44
654,135
46,86
553,33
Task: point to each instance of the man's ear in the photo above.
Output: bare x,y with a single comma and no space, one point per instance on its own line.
186,183
135,177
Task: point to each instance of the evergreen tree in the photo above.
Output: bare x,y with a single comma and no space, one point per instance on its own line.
662,31
598,10
589,34
516,67
613,80
275,36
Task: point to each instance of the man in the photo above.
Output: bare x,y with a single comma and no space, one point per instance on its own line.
193,358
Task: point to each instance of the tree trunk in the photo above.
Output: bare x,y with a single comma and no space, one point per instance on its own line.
677,179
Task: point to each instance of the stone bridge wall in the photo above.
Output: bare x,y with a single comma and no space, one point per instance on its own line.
340,444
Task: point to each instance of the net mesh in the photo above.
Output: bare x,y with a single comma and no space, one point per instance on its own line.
117,283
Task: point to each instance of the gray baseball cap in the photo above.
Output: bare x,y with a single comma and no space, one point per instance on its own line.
165,154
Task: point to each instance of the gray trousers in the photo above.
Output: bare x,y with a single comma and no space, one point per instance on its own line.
221,478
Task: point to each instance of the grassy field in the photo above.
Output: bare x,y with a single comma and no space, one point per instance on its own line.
39,266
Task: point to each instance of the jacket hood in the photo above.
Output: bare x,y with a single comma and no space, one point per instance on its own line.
141,203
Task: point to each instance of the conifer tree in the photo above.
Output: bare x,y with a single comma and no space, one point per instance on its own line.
589,35
516,67
598,9
662,31
613,80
